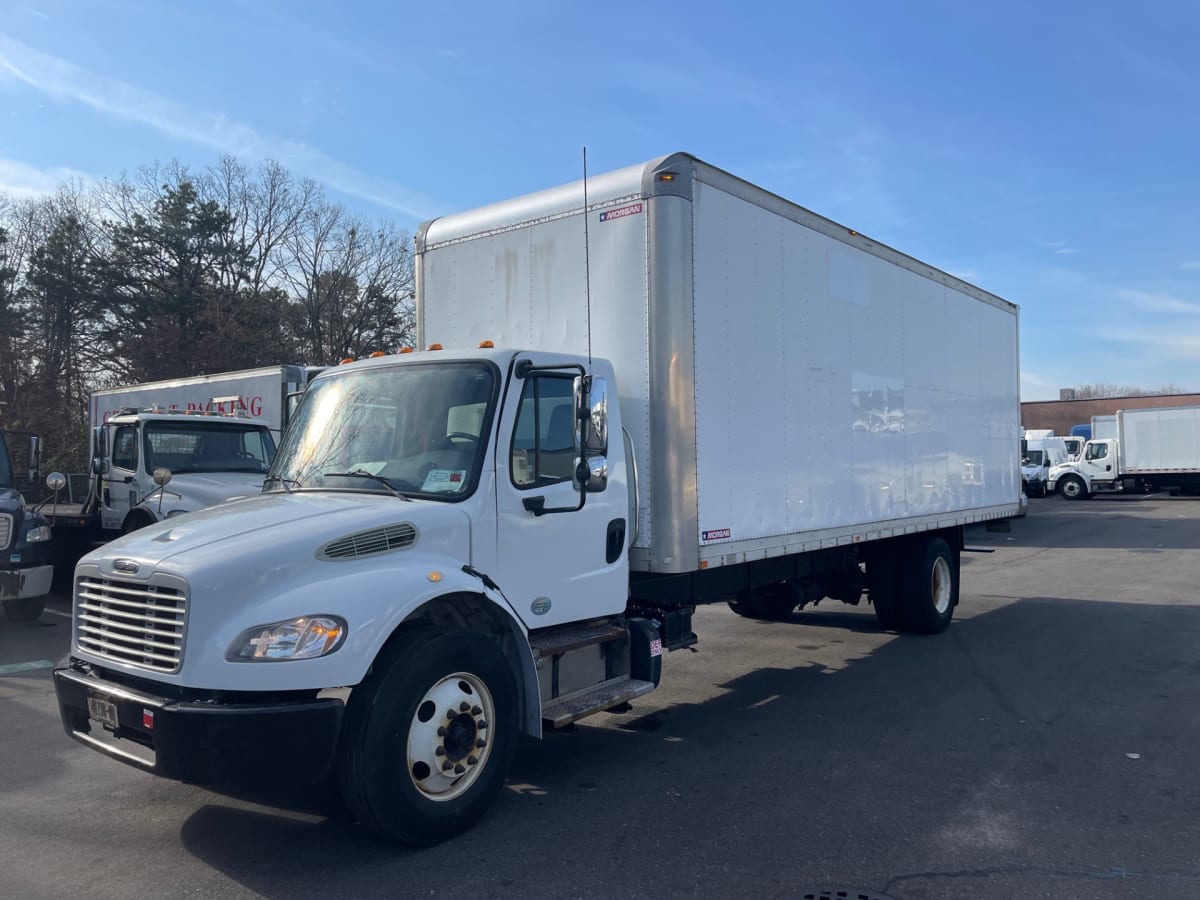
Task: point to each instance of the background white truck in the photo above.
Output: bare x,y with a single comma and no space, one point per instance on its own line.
216,434
1141,449
751,404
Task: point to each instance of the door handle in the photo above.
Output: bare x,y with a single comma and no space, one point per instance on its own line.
535,505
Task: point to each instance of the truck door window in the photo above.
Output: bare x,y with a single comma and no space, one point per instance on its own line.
1096,451
543,447
125,454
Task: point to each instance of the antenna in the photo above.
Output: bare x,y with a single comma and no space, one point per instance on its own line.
587,270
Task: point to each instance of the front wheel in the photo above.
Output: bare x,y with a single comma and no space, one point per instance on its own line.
429,736
1073,488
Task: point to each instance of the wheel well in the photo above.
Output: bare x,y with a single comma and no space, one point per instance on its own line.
138,518
468,611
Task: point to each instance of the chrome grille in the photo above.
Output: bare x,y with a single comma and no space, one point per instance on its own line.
367,543
6,523
131,622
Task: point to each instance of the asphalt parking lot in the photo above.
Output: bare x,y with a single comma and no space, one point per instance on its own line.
1046,746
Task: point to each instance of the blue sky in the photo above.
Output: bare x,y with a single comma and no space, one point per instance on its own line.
1048,152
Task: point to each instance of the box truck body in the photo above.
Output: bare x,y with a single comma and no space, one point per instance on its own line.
717,396
787,382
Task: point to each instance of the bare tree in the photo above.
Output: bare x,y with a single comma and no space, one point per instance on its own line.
1100,391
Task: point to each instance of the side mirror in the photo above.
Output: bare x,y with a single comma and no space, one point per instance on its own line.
591,435
162,476
56,481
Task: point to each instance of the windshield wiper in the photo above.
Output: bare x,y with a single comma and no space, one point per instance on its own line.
284,481
363,473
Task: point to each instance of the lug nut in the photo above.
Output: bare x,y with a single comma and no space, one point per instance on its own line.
441,732
459,769
447,766
450,714
476,710
471,760
440,751
481,724
481,743
464,706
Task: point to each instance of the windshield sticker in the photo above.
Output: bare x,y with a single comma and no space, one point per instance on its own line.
717,534
445,480
621,212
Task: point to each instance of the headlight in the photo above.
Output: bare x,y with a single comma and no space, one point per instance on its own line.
37,535
305,638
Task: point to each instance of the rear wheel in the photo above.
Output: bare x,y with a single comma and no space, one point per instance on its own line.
429,736
929,575
24,609
1073,488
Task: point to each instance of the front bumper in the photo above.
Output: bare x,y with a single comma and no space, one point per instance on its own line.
229,740
16,584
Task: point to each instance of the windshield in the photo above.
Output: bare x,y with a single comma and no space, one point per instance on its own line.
198,445
1033,458
420,429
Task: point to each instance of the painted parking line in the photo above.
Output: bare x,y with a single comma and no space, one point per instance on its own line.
13,668
55,612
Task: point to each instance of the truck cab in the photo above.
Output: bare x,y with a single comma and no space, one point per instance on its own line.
1097,470
151,465
440,552
26,566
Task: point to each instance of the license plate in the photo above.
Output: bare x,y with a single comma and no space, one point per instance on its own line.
102,711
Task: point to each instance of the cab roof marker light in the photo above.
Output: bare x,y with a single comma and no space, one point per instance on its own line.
406,350
487,345
348,359
376,354
435,347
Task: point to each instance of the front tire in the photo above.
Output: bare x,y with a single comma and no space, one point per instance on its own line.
429,736
1073,487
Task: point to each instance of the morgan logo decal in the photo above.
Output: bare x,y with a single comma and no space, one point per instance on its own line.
620,212
717,534
128,566
540,606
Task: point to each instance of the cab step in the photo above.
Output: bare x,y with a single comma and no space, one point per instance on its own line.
562,640
565,710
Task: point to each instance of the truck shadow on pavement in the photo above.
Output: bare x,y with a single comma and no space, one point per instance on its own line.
974,746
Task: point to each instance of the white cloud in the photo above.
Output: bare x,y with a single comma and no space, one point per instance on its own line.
1151,301
30,11
1175,342
24,182
66,82
1190,264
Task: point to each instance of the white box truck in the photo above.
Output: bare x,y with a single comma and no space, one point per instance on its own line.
1141,449
750,404
215,434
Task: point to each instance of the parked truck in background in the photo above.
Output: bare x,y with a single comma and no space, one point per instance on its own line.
215,434
26,564
748,404
1148,450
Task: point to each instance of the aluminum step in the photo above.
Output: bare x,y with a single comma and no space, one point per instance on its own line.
558,641
560,712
